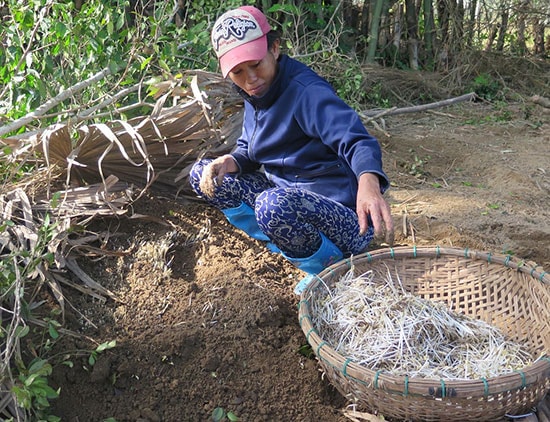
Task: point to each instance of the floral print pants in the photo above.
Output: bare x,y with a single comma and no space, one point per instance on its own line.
292,218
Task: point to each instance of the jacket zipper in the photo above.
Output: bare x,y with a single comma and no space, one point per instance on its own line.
253,137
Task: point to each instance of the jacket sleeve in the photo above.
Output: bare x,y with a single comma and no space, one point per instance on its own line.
322,114
240,152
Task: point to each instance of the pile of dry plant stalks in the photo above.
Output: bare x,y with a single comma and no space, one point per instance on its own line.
373,321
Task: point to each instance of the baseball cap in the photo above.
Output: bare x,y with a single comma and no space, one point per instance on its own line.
238,36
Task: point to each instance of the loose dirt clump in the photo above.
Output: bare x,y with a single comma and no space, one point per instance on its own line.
206,317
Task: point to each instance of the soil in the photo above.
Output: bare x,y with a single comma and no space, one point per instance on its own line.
206,318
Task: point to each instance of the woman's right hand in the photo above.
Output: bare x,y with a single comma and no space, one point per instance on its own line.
213,173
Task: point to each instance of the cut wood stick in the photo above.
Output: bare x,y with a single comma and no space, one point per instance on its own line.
375,114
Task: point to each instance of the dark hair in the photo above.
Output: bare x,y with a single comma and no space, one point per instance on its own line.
272,36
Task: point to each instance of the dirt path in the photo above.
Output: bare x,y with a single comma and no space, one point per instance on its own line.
208,317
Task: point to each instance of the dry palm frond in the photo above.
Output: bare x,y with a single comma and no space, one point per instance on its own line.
37,237
155,151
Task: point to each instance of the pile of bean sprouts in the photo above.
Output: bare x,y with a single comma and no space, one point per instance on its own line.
374,322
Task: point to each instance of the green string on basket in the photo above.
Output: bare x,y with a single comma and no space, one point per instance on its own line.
323,343
375,382
406,391
304,317
485,387
522,375
311,330
507,260
443,389
345,367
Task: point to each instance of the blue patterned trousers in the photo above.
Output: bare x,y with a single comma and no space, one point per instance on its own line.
292,218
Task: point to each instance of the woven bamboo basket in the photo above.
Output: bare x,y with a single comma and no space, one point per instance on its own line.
501,290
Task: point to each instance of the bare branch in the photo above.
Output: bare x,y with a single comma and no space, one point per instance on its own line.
48,105
374,114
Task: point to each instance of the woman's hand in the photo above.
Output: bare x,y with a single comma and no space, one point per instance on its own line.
370,202
213,173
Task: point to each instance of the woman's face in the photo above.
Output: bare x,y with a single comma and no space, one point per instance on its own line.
255,77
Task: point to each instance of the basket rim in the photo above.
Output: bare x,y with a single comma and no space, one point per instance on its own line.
533,374
508,260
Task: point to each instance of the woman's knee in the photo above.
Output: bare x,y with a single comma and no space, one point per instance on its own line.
274,200
195,173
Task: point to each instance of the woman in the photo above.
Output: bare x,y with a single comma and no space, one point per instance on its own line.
319,196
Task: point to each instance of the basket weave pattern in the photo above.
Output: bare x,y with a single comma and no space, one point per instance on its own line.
501,290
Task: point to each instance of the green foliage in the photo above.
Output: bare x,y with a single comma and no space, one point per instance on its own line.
99,349
306,351
376,97
416,167
349,86
219,414
486,87
32,390
51,46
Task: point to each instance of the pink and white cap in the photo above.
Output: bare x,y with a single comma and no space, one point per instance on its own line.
239,36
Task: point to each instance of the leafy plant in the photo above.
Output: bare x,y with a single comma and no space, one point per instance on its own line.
486,87
219,414
32,390
306,350
416,167
99,349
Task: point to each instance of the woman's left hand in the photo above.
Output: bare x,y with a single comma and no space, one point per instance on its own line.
370,202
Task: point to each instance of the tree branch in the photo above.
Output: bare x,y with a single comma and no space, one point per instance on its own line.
48,105
374,114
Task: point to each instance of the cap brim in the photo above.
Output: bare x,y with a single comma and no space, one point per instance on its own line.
253,50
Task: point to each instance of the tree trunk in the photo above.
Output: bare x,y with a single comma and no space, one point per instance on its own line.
470,29
373,33
491,38
457,43
384,36
503,27
429,27
443,18
538,33
412,33
397,25
523,11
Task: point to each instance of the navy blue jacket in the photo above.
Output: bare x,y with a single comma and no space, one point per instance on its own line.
306,137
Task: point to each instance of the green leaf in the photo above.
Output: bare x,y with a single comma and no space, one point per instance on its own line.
218,414
105,346
120,21
232,417
21,332
60,29
110,28
52,331
37,365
